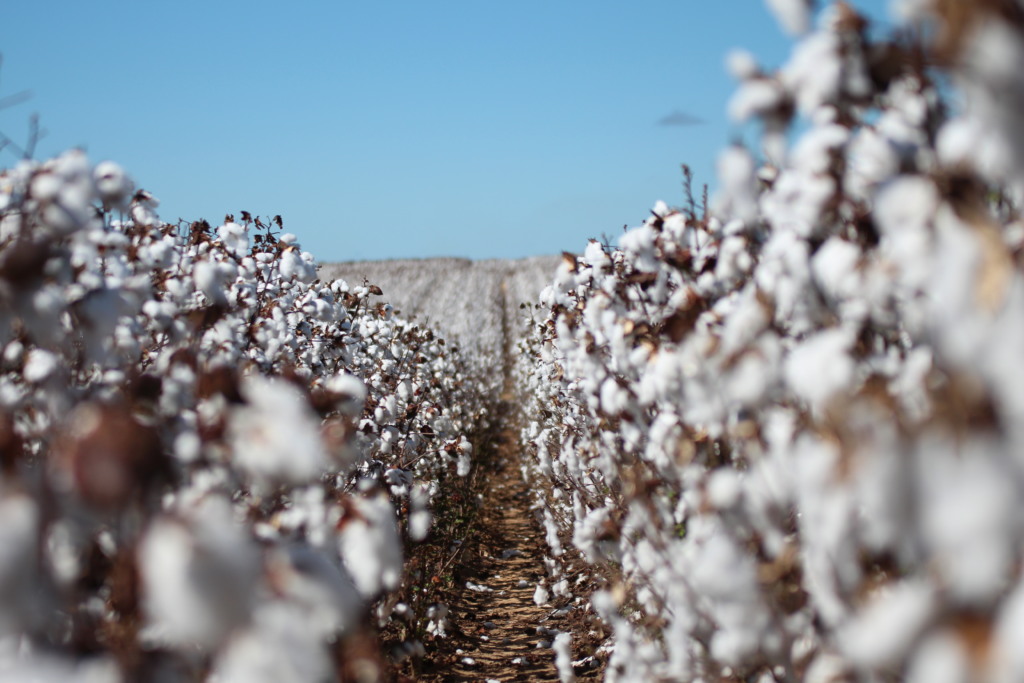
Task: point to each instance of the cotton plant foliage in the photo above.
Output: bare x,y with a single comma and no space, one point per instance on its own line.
788,430
212,461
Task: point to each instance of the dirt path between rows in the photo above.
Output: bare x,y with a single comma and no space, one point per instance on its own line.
497,631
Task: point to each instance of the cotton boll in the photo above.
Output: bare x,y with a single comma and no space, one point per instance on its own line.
967,501
834,267
465,453
463,465
308,579
907,202
41,667
235,238
295,265
596,257
756,97
112,184
19,541
281,645
881,634
39,365
197,579
551,534
275,436
739,193
210,280
420,517
940,659
563,657
541,595
370,545
793,15
742,65
725,486
819,367
143,209
1008,658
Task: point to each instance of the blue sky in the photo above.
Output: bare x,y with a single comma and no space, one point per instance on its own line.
391,129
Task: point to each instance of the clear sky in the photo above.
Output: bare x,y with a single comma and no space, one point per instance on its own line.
392,128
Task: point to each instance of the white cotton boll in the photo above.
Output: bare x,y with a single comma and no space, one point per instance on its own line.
275,436
27,666
39,365
586,532
551,534
725,486
563,657
968,502
307,578
419,523
235,238
296,265
19,548
872,159
1008,658
210,280
279,646
370,545
143,211
756,97
906,203
821,366
749,380
941,658
834,267
45,186
640,244
741,65
112,184
815,71
961,139
793,15
463,465
405,390
541,595
826,667
196,578
596,257
881,634
63,553
187,446
614,399
13,352
736,169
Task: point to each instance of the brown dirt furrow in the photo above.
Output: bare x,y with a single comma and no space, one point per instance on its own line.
496,631
494,617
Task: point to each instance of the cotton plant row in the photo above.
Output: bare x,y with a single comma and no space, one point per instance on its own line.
789,433
472,303
212,462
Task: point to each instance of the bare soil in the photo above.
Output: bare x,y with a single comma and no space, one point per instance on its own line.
497,631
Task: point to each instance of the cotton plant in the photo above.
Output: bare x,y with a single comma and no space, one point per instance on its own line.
785,430
213,462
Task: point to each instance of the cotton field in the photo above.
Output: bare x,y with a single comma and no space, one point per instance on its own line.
775,437
213,462
788,429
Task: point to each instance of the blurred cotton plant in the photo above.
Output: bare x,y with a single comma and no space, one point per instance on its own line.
788,434
212,460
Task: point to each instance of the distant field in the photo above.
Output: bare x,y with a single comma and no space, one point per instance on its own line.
464,300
